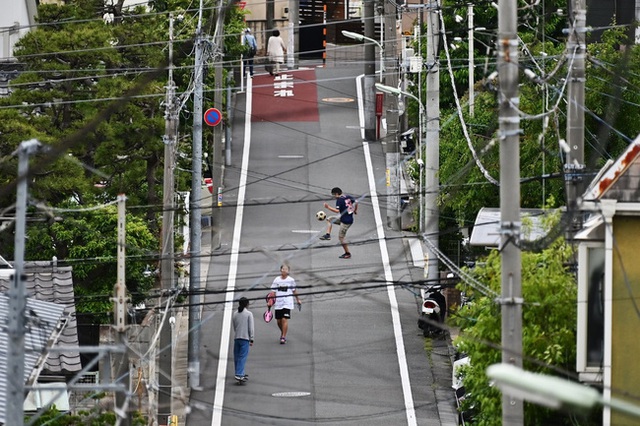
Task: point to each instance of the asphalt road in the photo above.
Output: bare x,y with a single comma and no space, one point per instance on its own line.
354,353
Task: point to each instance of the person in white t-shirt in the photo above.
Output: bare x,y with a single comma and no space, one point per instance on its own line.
285,289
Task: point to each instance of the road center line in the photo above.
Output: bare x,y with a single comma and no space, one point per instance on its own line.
391,292
221,376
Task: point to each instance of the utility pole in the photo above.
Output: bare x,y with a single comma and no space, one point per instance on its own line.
574,165
270,19
509,133
294,33
369,73
165,361
432,149
17,297
391,145
471,59
120,316
195,216
421,124
217,146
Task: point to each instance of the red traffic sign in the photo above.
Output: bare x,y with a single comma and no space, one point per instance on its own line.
212,116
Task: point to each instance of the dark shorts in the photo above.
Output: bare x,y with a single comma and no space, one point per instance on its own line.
283,313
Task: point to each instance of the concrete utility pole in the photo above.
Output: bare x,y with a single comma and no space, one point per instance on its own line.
471,60
270,18
432,149
165,358
195,217
421,125
217,147
511,298
574,165
369,74
120,316
294,34
391,144
17,296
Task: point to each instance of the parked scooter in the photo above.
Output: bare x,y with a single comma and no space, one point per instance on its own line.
433,311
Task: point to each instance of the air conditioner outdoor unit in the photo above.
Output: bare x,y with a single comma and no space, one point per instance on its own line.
285,12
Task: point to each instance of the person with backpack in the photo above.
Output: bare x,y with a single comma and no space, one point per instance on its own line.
252,45
346,206
243,330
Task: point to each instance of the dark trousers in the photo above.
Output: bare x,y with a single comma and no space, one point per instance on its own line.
248,65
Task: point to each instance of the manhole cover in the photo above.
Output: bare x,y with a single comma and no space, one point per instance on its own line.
290,394
337,100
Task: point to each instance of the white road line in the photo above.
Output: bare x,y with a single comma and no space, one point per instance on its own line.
221,376
391,292
359,80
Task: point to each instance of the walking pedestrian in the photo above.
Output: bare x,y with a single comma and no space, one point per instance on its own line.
276,51
243,330
285,289
346,206
252,45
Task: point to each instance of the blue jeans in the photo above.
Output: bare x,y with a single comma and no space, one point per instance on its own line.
240,355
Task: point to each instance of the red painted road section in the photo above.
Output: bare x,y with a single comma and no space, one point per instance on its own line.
293,96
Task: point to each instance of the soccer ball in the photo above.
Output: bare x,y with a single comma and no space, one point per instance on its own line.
321,215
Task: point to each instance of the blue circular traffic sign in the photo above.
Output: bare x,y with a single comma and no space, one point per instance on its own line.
212,116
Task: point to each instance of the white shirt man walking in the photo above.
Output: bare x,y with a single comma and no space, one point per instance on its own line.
285,288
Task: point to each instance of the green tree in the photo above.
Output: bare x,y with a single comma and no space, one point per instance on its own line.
53,417
548,335
91,238
75,65
612,96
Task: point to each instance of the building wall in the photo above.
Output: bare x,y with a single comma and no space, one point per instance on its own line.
625,369
258,9
14,23
256,19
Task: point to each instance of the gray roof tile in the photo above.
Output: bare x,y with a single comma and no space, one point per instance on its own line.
51,283
42,319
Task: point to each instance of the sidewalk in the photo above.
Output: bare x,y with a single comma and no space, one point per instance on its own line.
181,390
440,353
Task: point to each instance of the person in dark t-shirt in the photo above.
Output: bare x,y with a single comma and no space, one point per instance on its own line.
346,206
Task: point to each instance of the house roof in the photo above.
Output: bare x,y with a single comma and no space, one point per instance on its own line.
45,281
486,229
621,180
42,320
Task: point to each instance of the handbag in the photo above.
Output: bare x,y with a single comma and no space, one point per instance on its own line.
271,300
